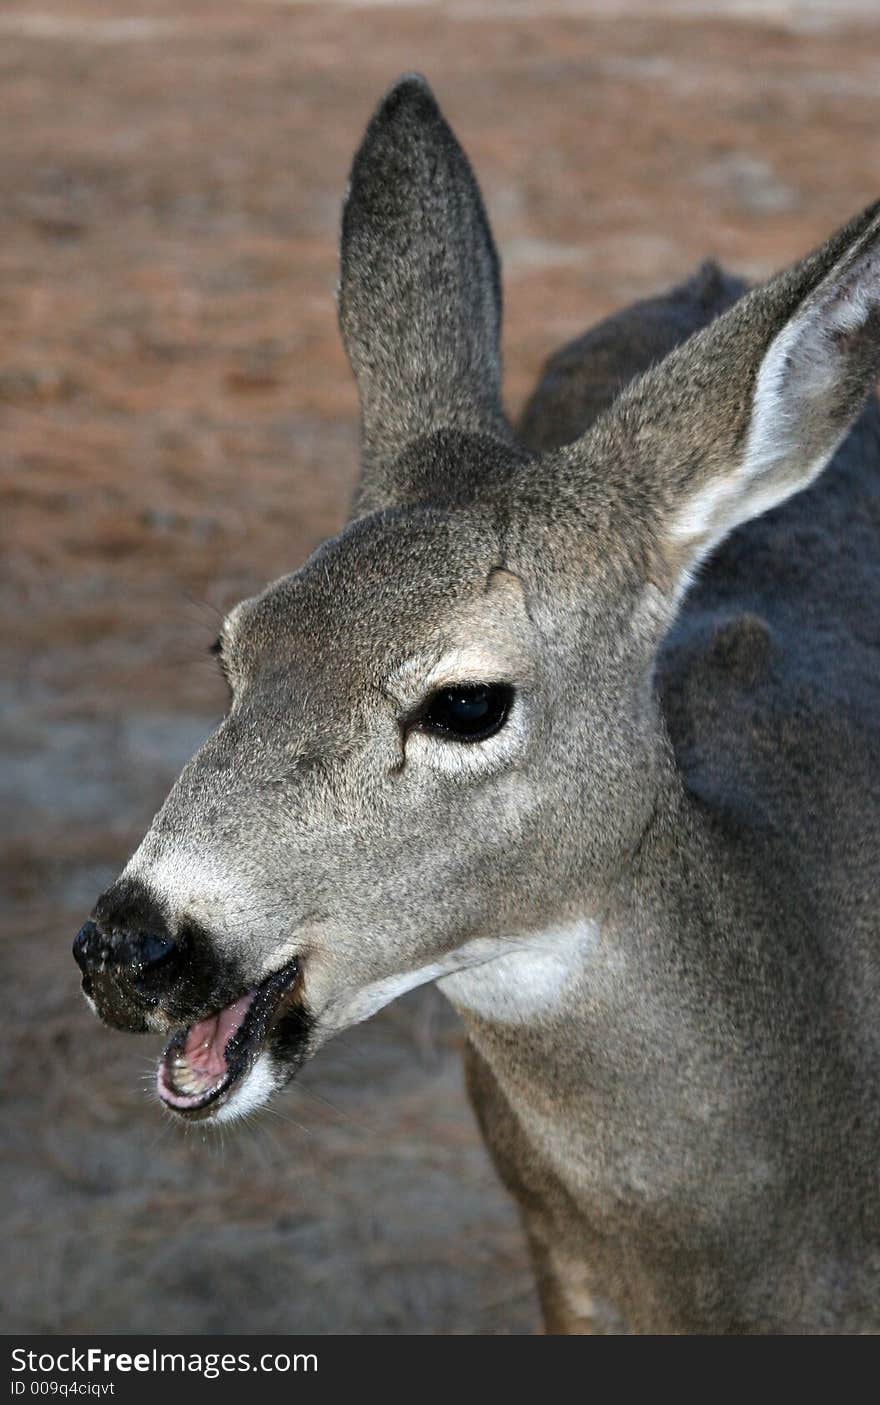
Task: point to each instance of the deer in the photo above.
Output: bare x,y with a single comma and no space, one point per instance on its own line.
579,721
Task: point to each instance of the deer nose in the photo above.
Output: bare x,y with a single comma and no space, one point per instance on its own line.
120,951
131,962
127,940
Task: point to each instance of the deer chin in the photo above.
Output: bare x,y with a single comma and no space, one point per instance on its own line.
207,1068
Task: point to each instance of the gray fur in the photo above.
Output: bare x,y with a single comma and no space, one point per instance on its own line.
690,1125
420,312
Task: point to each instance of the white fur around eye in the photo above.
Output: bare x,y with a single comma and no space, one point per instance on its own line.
476,758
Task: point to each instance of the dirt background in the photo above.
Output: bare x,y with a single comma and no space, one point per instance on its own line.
177,425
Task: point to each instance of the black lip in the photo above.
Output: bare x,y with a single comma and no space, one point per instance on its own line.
243,1048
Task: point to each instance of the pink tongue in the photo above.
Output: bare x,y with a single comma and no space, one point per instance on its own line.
207,1039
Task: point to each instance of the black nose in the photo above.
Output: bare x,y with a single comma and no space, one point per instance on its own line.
127,937
124,952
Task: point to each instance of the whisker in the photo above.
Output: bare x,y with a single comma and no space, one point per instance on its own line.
340,1111
285,1117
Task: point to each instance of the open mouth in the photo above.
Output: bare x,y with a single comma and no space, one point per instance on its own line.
203,1062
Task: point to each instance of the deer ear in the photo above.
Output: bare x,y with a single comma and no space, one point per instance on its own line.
777,383
419,293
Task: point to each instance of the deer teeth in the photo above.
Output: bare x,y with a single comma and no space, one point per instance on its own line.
187,1079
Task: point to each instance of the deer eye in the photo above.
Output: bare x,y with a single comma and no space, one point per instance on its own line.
467,712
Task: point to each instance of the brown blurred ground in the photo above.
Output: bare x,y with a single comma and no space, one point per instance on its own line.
177,425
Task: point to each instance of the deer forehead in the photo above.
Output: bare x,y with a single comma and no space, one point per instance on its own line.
424,619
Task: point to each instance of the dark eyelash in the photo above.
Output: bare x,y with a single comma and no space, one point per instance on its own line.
216,649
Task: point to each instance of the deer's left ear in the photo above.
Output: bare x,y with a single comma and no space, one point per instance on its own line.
809,385
750,411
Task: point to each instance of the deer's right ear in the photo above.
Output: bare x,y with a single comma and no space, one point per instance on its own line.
419,292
